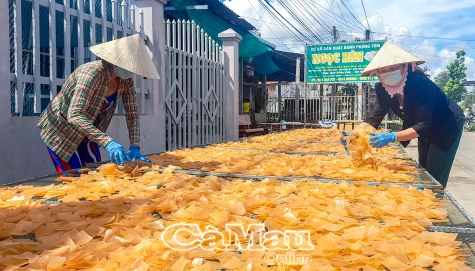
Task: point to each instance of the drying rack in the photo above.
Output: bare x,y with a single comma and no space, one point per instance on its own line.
459,221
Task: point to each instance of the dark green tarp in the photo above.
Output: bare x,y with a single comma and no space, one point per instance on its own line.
213,22
264,64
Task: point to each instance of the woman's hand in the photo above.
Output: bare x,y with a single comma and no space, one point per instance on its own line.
407,135
134,154
343,140
382,140
117,153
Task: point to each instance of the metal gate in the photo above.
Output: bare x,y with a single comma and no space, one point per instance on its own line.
194,75
288,102
49,39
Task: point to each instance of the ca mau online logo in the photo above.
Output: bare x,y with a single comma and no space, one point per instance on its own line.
185,237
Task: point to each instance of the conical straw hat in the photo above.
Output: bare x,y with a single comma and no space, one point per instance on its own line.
390,55
129,53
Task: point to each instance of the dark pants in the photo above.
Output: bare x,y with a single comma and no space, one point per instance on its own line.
436,161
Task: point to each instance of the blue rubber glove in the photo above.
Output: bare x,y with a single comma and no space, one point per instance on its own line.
381,140
343,140
134,154
117,153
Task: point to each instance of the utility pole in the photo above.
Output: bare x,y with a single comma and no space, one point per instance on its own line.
363,90
333,87
279,99
297,89
305,88
334,34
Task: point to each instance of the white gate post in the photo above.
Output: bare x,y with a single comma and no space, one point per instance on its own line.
360,101
5,113
231,41
154,28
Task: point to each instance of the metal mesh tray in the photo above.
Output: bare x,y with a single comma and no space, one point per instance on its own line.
464,235
46,180
425,180
457,215
459,221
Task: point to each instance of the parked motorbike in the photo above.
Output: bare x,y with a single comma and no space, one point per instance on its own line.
469,121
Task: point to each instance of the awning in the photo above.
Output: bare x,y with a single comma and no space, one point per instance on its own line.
286,62
217,19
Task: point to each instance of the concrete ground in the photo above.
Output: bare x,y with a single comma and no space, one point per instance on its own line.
462,177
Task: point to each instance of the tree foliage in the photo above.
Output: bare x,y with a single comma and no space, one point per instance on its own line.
441,79
457,75
349,89
469,100
425,70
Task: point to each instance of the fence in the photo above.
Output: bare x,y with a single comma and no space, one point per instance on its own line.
194,86
286,102
49,39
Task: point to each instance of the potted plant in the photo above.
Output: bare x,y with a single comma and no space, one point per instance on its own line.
260,103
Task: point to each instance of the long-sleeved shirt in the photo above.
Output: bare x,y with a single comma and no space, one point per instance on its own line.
433,115
75,112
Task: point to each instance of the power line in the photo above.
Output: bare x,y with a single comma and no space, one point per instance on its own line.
295,46
298,19
334,15
264,3
320,21
324,27
341,12
277,52
364,9
309,20
322,9
262,18
400,35
427,54
422,37
328,11
250,18
436,46
280,21
351,13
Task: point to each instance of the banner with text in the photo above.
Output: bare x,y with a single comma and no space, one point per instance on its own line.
340,62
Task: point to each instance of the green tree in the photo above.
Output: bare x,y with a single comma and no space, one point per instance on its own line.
441,79
456,70
469,100
425,70
355,39
349,89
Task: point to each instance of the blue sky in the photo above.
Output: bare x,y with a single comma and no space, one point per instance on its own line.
408,23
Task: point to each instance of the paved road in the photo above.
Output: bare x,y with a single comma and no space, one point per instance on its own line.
462,177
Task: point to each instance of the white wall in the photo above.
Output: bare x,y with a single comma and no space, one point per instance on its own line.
23,154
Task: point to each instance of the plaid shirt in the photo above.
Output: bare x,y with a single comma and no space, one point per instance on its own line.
75,112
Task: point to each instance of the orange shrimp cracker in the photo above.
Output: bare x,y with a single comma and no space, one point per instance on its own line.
146,217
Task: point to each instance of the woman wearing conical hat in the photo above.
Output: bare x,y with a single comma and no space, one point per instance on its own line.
73,125
428,114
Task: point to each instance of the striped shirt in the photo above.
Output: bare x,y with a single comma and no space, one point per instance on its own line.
75,112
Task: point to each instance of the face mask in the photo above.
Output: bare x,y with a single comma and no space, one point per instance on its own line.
123,74
391,78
